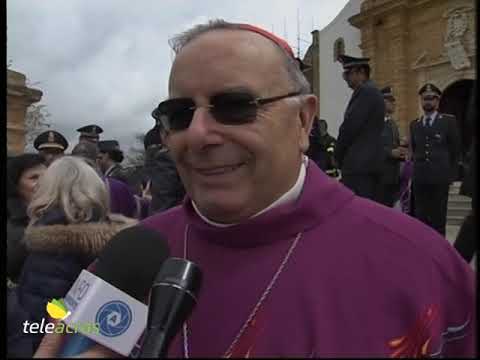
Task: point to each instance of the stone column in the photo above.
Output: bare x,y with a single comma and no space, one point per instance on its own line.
400,76
19,98
368,46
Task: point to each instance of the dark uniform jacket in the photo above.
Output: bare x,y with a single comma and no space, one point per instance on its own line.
359,147
468,183
166,186
436,150
16,224
391,165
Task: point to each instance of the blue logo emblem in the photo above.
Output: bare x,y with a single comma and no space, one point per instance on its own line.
114,318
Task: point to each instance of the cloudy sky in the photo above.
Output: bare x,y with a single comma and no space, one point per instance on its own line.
107,62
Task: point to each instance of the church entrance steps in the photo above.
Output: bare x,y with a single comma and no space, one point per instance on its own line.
459,206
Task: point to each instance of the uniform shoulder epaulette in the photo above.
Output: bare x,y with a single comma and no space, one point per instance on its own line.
450,116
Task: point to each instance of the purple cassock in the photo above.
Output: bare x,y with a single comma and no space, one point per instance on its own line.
406,186
121,198
364,280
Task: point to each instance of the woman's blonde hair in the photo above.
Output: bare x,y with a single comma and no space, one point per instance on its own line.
73,186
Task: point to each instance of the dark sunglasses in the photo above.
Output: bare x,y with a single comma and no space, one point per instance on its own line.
232,108
428,98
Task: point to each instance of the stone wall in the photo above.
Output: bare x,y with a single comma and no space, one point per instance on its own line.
19,98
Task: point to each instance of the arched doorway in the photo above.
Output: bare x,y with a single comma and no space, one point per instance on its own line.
454,101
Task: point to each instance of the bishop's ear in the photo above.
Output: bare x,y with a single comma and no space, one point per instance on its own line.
307,114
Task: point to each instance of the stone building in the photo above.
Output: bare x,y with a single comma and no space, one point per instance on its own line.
19,98
409,42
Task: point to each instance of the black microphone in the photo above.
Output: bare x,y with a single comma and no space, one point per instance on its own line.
129,263
173,296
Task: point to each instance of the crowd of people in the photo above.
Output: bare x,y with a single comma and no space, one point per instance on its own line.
63,208
301,250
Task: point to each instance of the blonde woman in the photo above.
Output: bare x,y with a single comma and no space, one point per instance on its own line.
70,223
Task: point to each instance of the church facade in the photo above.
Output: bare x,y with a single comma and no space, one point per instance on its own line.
409,42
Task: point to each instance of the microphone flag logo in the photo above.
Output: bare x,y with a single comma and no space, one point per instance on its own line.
114,318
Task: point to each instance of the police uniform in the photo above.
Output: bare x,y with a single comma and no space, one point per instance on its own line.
389,187
50,139
90,133
436,148
51,145
359,150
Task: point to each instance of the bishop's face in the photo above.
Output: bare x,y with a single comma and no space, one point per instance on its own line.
234,171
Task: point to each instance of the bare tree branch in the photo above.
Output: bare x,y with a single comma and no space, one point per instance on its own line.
136,154
36,122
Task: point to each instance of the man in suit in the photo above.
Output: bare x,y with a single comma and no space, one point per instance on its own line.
388,189
122,201
436,148
359,150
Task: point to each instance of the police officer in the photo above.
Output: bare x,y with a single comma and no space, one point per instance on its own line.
436,148
388,189
90,133
51,145
359,150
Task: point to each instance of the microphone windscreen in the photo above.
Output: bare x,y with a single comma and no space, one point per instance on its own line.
131,259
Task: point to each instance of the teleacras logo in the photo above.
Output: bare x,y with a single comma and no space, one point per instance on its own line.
114,318
57,310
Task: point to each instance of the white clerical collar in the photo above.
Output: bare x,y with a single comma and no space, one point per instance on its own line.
290,195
